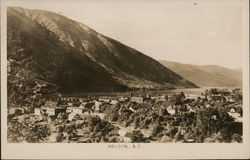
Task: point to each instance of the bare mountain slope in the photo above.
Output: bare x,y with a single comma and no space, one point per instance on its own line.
207,75
76,58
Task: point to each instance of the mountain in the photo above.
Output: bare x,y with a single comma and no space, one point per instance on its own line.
50,49
207,75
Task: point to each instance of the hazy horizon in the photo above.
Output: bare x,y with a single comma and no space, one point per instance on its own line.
198,33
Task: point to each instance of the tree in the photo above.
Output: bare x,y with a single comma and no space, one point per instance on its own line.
213,120
137,137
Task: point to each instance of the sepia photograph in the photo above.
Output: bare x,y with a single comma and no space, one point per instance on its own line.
124,73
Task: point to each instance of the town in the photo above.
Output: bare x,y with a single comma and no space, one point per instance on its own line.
214,116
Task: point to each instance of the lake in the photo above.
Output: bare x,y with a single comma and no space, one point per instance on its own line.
190,91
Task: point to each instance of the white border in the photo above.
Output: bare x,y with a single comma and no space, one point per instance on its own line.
148,151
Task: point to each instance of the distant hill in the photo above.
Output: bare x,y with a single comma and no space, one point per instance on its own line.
207,75
52,49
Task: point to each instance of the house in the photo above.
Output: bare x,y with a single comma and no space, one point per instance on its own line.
171,110
50,104
130,108
37,111
122,132
63,105
191,97
214,117
202,97
154,97
69,99
232,110
15,110
75,110
97,105
208,105
122,99
82,100
113,102
231,100
104,99
163,97
54,111
234,114
137,99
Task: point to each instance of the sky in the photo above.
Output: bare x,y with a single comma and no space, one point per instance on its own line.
193,32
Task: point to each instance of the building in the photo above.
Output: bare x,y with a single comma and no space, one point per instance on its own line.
171,110
137,99
54,111
37,111
113,102
97,105
208,105
104,99
75,110
16,110
50,104
69,99
130,108
234,114
123,99
163,97
122,132
191,97
214,117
